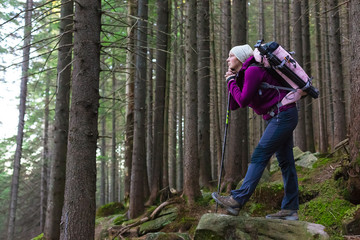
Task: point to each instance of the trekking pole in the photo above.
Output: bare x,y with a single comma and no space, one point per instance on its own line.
224,145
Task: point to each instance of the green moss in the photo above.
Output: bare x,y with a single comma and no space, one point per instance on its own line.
349,214
256,209
205,200
322,162
110,209
329,213
119,219
99,220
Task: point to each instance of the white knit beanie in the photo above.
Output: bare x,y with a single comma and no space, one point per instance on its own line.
242,52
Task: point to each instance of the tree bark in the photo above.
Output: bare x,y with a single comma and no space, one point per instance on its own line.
159,108
308,102
80,185
138,169
129,127
286,24
354,141
103,157
173,103
261,15
45,158
191,161
203,28
236,166
220,102
20,130
180,87
319,80
327,83
114,164
336,73
149,116
61,125
300,134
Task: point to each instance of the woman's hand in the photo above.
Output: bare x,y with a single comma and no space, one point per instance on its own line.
230,75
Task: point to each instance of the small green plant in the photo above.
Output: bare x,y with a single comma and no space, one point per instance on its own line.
256,208
39,237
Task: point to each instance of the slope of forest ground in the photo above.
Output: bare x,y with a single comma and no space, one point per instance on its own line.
322,200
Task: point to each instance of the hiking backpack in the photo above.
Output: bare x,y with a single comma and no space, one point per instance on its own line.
286,70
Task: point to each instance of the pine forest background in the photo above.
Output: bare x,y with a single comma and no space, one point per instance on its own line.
121,101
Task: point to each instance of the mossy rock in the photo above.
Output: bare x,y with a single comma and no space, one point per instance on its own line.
167,236
110,209
118,220
166,217
327,212
220,226
269,194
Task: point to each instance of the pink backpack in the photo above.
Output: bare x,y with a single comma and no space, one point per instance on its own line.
293,77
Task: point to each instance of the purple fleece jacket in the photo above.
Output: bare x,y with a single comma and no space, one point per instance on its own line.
245,90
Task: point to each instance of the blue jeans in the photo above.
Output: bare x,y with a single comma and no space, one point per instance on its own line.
277,138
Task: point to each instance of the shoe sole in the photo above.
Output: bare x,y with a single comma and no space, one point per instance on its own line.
232,211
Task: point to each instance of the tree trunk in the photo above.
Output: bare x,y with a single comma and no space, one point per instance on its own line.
173,103
275,21
261,29
45,159
180,87
191,161
204,91
20,130
300,136
336,73
286,24
103,157
61,125
220,114
160,86
327,83
354,143
138,169
308,102
129,127
114,165
80,185
236,166
319,80
149,116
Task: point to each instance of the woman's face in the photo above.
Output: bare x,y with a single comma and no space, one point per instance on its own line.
233,63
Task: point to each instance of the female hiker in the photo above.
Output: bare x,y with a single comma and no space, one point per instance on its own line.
243,81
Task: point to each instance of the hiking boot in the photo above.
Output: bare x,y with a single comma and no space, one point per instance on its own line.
232,206
284,214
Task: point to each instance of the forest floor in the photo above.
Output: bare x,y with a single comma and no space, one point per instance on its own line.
322,199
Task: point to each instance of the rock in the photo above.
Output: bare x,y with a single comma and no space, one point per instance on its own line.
168,236
307,160
265,177
302,159
219,226
297,153
165,217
